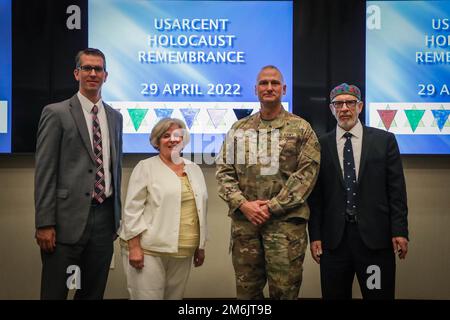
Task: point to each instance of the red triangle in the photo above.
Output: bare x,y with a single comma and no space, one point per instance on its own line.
387,116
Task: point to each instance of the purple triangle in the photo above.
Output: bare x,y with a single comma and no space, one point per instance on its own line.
190,114
163,113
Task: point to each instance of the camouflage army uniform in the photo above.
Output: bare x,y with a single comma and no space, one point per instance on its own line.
275,250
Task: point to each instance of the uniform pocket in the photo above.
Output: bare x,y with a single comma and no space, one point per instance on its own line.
289,145
297,240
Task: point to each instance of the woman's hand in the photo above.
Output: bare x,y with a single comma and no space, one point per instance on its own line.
135,253
199,257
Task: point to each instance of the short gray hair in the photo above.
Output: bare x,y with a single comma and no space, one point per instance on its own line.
162,126
270,67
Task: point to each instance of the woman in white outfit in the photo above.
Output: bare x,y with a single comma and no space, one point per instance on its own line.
163,227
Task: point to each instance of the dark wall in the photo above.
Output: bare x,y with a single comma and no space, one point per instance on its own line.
329,48
42,50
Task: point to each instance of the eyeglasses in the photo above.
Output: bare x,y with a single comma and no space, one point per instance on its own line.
89,69
265,83
338,105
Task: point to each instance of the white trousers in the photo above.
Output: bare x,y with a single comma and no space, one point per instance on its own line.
161,278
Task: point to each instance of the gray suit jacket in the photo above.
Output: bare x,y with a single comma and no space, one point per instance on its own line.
65,168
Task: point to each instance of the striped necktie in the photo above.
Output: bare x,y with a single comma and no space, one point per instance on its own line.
99,188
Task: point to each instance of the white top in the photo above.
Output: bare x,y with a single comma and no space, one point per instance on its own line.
357,135
87,105
153,204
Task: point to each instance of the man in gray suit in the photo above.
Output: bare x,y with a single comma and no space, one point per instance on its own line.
77,185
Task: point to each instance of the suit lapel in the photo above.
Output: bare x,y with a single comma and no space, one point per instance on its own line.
112,133
366,141
334,155
80,120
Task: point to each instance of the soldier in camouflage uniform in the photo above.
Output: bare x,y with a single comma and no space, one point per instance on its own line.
266,169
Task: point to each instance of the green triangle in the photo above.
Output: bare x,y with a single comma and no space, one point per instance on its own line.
137,115
414,117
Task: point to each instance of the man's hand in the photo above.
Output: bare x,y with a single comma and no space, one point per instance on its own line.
266,210
199,257
400,245
135,253
256,211
46,238
316,250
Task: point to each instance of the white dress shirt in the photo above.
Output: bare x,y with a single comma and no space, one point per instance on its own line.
357,135
87,105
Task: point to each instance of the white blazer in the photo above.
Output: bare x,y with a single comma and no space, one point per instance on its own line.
153,204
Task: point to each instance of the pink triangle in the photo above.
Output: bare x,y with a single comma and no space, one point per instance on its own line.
387,116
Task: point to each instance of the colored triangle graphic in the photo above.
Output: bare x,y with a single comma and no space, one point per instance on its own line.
137,115
163,113
190,114
387,116
217,116
414,116
242,113
441,117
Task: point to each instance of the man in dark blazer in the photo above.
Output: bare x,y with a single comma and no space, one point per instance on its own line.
358,208
77,185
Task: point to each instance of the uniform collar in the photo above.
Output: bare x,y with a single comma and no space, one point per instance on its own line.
276,123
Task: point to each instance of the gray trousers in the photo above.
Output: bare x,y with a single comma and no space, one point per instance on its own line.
85,264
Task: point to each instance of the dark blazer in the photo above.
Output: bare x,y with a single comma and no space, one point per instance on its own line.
381,194
65,168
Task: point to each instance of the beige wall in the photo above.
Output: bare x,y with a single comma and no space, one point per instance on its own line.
423,275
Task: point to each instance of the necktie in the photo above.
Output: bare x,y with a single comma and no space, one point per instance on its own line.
99,187
349,174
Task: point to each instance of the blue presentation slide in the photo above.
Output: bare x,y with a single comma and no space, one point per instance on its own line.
408,73
5,76
192,60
